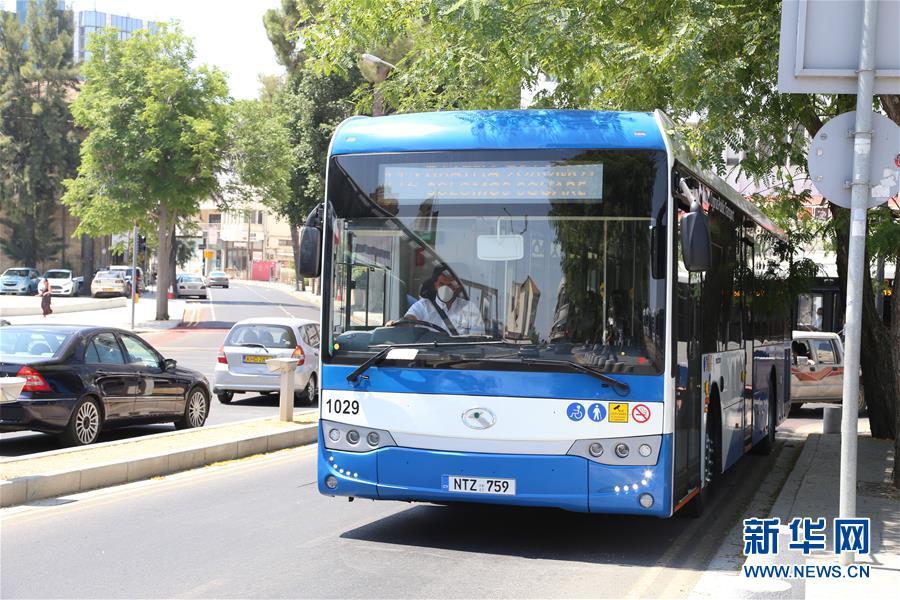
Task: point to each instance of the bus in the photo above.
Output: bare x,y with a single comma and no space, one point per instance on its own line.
541,308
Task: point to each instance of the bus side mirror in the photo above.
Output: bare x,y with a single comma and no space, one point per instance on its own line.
695,246
658,251
310,251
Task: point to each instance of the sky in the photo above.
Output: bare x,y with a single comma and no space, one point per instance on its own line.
227,33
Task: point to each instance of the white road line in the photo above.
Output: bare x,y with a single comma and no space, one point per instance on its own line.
212,306
283,309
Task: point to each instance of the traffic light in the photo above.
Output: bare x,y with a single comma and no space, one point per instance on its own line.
142,243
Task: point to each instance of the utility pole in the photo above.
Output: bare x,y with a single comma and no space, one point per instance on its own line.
134,275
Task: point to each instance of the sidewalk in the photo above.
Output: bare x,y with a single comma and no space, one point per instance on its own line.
115,312
812,490
17,306
72,470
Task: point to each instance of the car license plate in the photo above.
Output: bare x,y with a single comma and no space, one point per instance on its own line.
251,358
478,485
109,289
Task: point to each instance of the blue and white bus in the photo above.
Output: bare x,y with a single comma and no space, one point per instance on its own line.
541,308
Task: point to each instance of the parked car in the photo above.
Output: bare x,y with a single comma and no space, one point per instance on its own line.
217,279
63,282
190,285
126,271
82,380
110,283
817,369
241,362
19,280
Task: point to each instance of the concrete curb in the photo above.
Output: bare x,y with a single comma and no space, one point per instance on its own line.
49,485
90,304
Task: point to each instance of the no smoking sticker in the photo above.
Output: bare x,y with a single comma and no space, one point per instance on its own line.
640,413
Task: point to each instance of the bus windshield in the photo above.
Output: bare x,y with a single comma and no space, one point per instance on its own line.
490,257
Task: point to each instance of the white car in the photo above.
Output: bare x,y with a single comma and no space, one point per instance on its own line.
241,363
62,282
190,285
817,369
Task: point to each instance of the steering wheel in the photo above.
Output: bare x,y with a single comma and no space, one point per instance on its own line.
413,322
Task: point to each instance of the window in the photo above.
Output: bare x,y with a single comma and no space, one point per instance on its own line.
104,350
313,334
214,218
269,336
139,353
825,352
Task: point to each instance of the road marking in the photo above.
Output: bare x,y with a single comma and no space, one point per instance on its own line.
283,309
212,305
137,489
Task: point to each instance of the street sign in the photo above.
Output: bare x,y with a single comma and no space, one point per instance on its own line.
209,254
830,159
820,41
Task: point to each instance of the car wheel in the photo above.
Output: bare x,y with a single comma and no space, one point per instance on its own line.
311,391
84,424
225,397
196,409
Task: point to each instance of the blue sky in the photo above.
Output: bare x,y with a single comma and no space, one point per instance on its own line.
228,34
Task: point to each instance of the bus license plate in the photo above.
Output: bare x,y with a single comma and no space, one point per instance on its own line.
479,485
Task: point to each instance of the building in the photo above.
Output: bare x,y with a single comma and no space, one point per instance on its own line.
88,22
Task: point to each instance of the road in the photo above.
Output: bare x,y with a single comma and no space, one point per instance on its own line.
194,344
259,528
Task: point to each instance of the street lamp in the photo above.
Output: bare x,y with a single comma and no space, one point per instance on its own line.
382,68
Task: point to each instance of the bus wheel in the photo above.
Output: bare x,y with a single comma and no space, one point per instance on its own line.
766,444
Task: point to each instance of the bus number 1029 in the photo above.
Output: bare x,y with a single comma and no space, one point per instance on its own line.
342,407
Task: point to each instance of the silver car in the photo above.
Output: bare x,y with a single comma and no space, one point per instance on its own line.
110,283
241,363
217,278
63,282
190,285
817,369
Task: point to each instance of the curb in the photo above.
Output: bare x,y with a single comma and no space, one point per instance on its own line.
94,304
36,487
784,503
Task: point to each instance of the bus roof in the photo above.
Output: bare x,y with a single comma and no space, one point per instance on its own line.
496,130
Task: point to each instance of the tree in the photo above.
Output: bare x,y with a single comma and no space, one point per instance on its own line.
313,105
38,144
157,130
713,58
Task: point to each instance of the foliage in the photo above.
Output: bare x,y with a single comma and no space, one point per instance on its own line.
38,144
157,130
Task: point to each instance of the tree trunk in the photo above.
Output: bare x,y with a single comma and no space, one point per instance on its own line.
877,361
163,275
87,260
295,246
173,260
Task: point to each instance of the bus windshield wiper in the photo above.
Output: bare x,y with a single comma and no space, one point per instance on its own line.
620,387
382,354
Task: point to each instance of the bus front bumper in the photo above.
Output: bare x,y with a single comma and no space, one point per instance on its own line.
567,482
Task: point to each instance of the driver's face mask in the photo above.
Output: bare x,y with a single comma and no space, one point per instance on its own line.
445,293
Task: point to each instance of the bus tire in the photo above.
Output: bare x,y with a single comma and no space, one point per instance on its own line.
764,446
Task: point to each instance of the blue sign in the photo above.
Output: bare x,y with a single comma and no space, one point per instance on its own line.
597,412
851,535
575,411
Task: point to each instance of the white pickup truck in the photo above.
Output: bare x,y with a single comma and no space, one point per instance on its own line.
817,369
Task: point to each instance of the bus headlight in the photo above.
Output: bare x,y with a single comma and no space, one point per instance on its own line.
646,454
347,437
646,500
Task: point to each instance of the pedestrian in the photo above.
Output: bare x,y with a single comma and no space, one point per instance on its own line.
44,293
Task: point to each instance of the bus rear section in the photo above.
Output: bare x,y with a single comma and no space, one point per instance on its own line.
494,324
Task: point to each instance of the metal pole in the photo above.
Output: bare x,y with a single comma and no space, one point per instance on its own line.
862,148
134,277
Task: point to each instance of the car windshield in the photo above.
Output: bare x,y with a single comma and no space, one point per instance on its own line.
217,274
20,344
57,274
516,256
258,334
16,273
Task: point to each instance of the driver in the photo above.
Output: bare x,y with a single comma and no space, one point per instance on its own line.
444,303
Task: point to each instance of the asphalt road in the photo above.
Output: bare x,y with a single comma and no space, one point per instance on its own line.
259,528
194,345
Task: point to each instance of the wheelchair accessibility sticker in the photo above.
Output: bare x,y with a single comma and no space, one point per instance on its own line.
575,411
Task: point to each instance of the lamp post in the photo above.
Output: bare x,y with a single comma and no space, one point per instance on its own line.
382,68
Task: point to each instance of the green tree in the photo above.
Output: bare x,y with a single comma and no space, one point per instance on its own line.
157,133
38,144
313,104
714,58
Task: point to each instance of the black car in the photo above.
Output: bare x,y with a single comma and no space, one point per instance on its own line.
81,380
